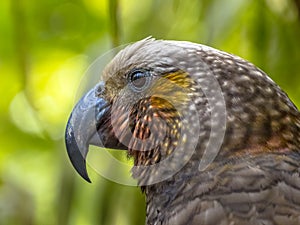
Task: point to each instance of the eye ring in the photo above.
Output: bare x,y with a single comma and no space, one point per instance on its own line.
139,80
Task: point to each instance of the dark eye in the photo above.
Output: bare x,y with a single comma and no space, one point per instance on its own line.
140,80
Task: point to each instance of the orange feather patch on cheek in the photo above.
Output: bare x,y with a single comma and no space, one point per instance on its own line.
171,90
180,78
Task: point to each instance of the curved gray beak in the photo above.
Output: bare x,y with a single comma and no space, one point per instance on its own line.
81,130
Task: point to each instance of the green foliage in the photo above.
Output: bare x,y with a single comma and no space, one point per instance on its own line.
45,48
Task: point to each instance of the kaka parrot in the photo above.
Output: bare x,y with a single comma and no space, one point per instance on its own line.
213,138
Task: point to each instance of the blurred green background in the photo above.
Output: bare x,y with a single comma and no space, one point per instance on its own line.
45,48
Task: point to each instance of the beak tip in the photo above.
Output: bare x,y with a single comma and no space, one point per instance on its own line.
76,154
82,170
86,177
79,163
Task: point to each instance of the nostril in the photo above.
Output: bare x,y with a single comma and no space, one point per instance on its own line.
99,88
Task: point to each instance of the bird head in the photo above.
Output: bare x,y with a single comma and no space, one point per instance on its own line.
167,102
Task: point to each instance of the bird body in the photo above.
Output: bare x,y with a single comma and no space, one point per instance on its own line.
214,139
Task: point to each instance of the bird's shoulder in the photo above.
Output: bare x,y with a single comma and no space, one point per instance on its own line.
260,190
